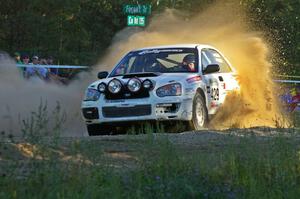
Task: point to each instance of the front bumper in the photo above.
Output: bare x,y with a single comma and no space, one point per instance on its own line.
159,109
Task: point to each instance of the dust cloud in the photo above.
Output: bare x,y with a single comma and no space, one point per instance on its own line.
222,25
19,98
225,26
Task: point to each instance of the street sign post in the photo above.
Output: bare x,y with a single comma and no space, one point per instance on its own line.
136,20
136,14
130,9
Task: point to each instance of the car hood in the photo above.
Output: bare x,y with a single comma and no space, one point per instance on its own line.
159,79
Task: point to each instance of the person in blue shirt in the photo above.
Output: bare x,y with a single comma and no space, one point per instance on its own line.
41,72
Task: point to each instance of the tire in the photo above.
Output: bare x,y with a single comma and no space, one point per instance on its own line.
200,113
99,129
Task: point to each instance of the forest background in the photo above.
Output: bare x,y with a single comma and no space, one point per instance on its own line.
79,31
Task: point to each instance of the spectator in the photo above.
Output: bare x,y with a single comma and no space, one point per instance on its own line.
35,60
18,61
43,62
25,59
18,58
50,60
41,72
295,93
54,74
53,71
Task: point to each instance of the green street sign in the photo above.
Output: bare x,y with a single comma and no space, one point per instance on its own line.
137,9
136,20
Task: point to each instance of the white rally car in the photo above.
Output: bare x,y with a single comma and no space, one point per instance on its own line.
180,82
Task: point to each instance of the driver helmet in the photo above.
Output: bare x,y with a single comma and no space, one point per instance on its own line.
190,58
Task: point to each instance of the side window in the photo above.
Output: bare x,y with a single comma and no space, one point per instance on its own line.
204,59
210,56
125,66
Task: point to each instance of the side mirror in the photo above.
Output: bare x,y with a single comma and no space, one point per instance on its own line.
102,75
212,68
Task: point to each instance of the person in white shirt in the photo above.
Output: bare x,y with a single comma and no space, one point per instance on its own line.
41,72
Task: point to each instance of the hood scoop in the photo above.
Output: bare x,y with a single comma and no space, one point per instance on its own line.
141,75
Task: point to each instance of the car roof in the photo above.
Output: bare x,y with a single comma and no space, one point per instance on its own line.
176,46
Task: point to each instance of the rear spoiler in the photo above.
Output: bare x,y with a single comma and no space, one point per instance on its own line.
51,66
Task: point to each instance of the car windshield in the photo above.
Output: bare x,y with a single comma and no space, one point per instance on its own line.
167,60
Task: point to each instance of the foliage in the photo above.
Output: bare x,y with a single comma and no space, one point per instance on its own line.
280,20
41,124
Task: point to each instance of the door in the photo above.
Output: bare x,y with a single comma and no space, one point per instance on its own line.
218,83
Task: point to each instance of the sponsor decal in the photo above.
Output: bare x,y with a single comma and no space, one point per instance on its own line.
194,79
215,94
208,89
189,90
214,89
159,51
213,105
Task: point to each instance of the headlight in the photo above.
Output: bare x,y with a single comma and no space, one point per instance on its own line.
169,90
102,87
134,85
147,84
91,95
114,86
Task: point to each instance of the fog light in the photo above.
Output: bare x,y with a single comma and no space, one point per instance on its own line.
115,86
147,84
134,85
102,87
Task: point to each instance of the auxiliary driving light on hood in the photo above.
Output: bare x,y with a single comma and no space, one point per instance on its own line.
134,85
147,84
102,87
115,86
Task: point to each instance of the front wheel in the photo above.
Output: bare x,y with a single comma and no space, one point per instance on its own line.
200,113
99,129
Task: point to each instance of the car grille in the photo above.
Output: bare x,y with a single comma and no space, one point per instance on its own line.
127,95
138,110
90,113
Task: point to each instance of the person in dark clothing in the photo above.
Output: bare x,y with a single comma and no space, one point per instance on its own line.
18,61
50,61
18,58
25,59
188,63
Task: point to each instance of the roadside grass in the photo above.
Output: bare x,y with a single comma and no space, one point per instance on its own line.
297,119
239,164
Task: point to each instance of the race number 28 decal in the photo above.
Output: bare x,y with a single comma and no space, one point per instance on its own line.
214,93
